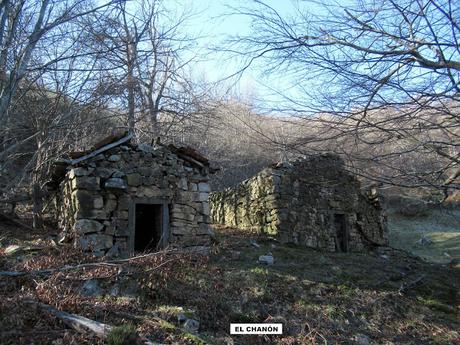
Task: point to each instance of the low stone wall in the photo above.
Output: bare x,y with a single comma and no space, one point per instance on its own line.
96,198
301,202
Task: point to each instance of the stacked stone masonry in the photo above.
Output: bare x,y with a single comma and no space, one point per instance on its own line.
96,198
304,202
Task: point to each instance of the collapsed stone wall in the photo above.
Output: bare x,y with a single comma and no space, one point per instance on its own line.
300,202
96,195
252,205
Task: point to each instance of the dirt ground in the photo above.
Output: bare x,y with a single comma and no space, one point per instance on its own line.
382,297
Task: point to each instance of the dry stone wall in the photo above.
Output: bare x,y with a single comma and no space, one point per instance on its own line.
96,198
303,202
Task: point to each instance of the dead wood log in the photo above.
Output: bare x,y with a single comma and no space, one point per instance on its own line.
143,256
79,323
82,324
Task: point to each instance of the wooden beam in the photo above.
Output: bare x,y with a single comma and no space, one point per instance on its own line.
100,150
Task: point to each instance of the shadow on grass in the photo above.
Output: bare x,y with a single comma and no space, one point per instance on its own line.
335,294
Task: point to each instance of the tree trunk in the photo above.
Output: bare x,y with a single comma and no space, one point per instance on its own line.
37,206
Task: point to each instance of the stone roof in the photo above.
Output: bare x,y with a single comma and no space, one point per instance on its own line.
60,166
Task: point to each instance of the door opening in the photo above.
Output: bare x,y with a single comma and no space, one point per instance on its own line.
148,227
341,233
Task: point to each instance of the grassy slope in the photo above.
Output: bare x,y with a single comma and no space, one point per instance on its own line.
441,226
318,296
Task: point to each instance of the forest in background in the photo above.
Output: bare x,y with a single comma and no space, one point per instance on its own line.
376,82
387,95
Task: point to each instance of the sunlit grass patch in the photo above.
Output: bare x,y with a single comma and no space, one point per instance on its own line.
121,335
441,227
438,305
195,340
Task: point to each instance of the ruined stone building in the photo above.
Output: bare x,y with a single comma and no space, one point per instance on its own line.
313,202
119,198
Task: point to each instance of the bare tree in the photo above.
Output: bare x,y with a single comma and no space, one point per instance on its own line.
147,69
23,24
41,51
381,75
63,63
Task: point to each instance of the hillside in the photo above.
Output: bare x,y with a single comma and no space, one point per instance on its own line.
129,129
434,237
387,296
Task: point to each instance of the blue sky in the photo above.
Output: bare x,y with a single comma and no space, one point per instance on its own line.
213,23
296,83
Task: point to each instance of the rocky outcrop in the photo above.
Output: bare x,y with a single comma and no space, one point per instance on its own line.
309,202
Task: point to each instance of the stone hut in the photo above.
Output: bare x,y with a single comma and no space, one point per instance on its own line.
119,198
313,202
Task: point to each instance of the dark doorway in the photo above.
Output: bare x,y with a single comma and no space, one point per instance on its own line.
148,226
341,233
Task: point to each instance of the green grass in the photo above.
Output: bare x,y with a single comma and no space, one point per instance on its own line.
122,335
194,339
437,305
318,296
441,226
167,326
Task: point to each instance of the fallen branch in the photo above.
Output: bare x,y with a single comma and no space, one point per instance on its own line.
82,324
162,264
113,263
79,323
143,256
